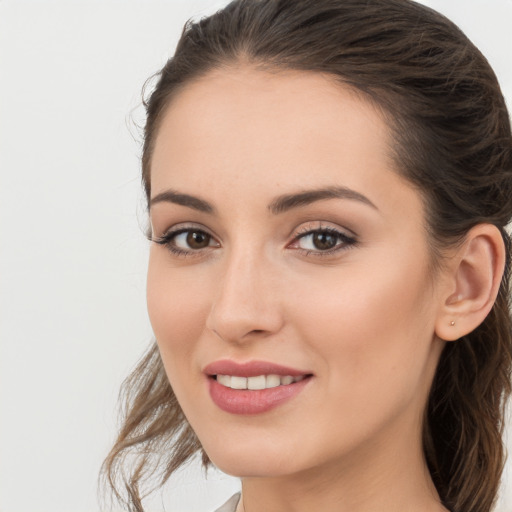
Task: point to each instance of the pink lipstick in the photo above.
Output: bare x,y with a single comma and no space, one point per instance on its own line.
253,387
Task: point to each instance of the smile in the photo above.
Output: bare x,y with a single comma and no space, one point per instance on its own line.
258,382
253,387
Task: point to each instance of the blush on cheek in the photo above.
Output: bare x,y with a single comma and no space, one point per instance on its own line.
177,317
172,301
371,322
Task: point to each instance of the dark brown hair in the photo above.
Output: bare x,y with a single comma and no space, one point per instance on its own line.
452,140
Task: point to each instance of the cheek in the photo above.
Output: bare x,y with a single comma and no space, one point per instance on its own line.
373,328
177,306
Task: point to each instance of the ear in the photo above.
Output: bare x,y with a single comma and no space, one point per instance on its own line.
473,282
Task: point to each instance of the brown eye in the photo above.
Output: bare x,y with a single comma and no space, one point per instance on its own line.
186,241
324,241
197,239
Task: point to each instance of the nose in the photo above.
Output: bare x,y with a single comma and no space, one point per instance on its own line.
246,304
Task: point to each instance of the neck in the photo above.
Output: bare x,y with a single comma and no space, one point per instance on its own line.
385,477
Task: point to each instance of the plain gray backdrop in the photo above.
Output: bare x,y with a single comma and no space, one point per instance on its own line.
73,255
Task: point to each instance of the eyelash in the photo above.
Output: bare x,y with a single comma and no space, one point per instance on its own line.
344,241
168,238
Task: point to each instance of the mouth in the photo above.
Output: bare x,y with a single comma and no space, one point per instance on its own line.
258,382
253,387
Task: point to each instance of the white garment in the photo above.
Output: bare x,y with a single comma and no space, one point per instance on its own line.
230,505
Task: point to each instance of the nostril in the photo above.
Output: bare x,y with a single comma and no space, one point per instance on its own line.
233,321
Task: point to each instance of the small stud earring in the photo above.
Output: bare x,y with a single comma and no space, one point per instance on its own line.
452,323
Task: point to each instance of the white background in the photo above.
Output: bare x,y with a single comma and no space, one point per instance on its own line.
73,254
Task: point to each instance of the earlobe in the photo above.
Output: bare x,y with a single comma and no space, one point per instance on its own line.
473,282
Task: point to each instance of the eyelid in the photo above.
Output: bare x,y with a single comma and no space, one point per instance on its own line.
167,238
184,226
348,240
321,225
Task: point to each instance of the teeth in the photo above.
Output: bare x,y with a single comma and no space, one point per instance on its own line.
259,382
239,382
272,381
225,380
286,380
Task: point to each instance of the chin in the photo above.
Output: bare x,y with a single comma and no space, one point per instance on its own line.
252,462
255,469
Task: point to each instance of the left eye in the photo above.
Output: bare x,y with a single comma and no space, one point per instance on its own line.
192,239
323,240
186,241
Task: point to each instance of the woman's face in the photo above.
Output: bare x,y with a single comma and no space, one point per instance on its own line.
289,247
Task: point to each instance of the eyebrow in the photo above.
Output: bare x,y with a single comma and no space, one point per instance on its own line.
288,201
279,205
172,196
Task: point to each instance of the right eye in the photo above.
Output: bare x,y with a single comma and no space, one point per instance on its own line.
186,241
192,240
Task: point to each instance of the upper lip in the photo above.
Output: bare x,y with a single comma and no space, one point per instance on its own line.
250,369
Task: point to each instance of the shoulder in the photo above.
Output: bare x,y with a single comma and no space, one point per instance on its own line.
230,505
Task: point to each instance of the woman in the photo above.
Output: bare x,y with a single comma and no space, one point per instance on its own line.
328,187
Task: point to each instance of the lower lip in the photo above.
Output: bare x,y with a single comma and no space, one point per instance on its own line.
242,401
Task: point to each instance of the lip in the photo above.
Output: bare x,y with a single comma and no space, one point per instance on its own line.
250,369
244,402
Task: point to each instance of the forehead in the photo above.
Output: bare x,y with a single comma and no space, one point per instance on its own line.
287,104
244,128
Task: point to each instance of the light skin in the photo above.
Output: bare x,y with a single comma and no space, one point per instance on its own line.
364,313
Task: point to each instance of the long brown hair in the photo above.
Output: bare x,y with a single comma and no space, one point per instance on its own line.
452,141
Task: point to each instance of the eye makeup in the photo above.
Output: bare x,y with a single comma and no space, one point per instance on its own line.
183,241
322,241
316,241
